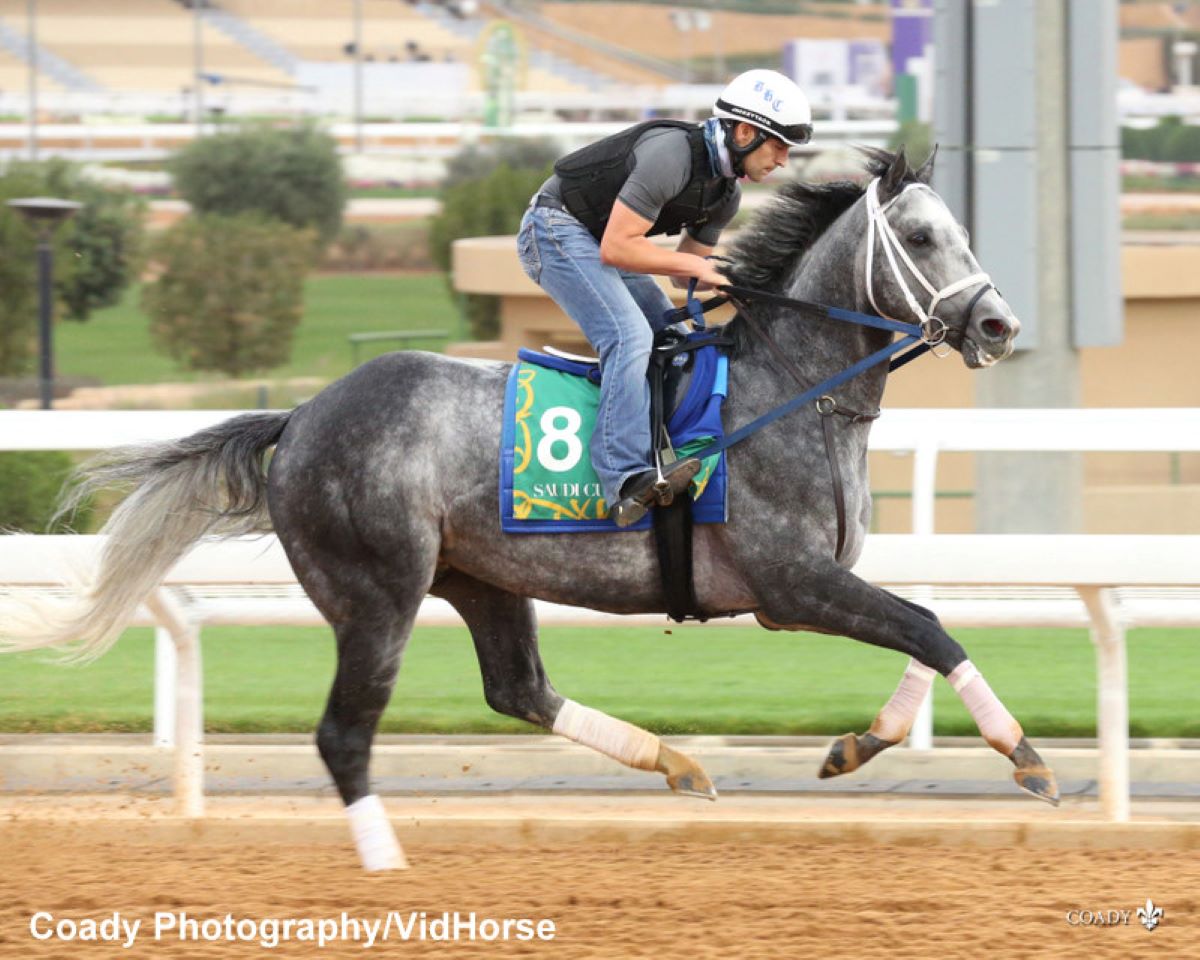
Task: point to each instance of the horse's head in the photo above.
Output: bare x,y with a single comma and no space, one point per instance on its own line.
918,266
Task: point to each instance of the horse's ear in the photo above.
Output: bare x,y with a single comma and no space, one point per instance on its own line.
893,179
925,173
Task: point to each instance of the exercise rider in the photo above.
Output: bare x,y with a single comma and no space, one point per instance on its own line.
584,240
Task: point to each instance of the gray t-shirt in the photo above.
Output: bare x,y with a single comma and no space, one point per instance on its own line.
662,168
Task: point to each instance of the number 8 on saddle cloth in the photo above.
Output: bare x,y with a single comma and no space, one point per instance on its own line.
547,484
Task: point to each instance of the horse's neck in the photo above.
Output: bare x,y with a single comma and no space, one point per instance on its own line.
830,273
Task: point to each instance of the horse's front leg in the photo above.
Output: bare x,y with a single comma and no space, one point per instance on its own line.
829,598
892,724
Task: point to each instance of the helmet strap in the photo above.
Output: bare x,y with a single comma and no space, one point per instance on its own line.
738,154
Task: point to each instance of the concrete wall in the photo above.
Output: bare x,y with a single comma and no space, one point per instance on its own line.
1156,366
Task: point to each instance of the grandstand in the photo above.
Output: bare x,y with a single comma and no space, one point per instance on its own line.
14,77
423,55
320,31
731,33
147,46
397,31
139,45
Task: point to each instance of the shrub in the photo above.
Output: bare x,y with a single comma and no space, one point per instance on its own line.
1168,141
231,292
476,162
1182,144
293,175
484,196
97,253
29,487
916,138
386,246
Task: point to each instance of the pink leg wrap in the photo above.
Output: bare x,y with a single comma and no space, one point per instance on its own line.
897,716
997,725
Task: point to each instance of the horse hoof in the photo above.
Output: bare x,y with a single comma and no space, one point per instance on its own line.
1038,782
684,775
693,784
842,757
1032,775
849,752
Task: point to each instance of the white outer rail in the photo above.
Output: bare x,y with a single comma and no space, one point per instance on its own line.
922,432
926,432
1094,566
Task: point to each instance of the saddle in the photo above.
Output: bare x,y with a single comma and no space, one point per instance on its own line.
547,484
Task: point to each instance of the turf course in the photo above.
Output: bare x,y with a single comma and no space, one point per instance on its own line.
682,680
115,348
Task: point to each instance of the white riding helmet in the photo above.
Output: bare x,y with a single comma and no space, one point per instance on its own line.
770,101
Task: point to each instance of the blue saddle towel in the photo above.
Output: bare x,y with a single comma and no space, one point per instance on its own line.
547,484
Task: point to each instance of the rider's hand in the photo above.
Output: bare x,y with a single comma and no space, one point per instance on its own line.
709,277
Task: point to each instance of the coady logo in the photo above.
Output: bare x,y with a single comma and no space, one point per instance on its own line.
1149,915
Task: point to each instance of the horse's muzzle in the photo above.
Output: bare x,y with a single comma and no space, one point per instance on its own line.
989,337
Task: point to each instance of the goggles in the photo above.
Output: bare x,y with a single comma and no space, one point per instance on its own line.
794,133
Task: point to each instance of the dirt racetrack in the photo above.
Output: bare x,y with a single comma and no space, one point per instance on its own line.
745,890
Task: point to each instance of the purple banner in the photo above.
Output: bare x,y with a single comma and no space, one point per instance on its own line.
912,30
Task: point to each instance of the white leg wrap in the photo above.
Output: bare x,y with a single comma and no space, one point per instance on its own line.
615,738
996,724
897,716
374,837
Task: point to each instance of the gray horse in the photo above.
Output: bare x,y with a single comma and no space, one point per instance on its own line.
383,489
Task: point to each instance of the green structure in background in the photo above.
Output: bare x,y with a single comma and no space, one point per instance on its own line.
907,108
501,60
912,22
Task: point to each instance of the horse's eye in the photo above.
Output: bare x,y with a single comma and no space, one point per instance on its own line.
918,239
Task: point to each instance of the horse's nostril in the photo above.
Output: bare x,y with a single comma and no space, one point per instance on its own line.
995,329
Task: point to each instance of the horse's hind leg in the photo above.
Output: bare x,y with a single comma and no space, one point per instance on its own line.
504,630
370,643
831,598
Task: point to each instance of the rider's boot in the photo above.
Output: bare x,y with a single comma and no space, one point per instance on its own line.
646,489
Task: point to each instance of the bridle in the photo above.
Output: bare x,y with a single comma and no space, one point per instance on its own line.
917,339
932,326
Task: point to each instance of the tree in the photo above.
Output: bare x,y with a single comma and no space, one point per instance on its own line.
293,175
30,482
105,245
97,252
486,193
231,291
915,137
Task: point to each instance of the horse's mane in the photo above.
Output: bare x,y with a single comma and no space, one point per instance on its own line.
765,253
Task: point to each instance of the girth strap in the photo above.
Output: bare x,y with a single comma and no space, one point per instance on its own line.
835,473
673,524
827,407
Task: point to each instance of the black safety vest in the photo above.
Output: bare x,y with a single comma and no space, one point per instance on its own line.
592,177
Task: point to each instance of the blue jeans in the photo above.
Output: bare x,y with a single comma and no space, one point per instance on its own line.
619,313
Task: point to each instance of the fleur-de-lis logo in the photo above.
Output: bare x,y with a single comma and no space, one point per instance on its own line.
1149,914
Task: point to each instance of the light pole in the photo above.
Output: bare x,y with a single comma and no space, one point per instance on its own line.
718,48
44,214
688,22
31,27
198,63
358,78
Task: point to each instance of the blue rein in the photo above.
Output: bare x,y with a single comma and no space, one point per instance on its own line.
913,336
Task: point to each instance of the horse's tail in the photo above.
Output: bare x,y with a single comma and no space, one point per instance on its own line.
211,483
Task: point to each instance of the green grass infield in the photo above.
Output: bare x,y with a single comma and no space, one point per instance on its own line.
685,680
114,346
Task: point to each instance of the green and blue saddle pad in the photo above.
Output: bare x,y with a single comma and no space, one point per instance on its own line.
547,484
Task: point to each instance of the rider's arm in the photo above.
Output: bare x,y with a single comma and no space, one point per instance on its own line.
702,240
626,246
689,244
